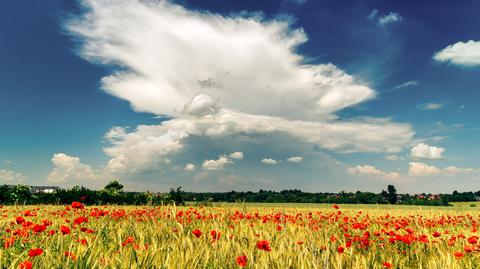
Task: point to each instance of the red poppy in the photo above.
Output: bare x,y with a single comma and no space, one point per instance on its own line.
387,265
128,240
472,239
197,233
458,255
336,206
77,205
65,230
20,220
35,252
25,265
340,249
241,260
215,235
39,228
264,245
80,220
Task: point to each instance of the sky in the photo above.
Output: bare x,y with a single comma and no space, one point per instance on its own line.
321,96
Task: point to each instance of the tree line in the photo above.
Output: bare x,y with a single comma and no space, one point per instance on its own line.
113,193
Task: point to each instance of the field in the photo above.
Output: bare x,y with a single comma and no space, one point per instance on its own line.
240,235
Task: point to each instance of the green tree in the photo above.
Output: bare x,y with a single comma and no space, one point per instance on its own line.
177,196
392,194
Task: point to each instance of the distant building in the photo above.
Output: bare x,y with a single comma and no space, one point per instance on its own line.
44,189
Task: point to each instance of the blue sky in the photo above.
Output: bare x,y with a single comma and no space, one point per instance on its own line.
215,96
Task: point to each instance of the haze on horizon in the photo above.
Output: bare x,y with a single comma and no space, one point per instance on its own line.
241,95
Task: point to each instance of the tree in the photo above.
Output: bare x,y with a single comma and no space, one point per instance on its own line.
392,194
114,186
177,196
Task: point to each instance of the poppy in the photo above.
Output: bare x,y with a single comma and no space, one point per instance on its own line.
264,245
25,265
77,205
197,233
340,249
215,235
472,239
387,265
35,252
458,255
65,230
128,240
241,260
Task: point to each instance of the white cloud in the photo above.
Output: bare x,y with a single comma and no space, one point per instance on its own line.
372,171
393,158
430,106
69,168
270,161
424,151
407,84
218,164
418,169
295,159
8,162
236,155
171,54
189,167
11,176
219,76
389,18
453,170
460,53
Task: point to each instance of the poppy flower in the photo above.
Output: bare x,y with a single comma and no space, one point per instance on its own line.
387,265
39,228
25,265
340,249
241,260
458,255
35,252
264,245
472,239
20,220
128,240
80,220
77,205
197,233
215,235
65,230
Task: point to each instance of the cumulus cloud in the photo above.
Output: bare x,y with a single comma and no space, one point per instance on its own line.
218,164
11,176
372,171
418,169
219,76
236,155
190,167
460,53
270,161
295,159
424,151
69,168
430,106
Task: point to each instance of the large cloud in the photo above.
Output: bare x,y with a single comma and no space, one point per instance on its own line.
460,53
219,76
69,168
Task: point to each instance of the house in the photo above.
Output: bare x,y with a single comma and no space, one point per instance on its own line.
43,189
